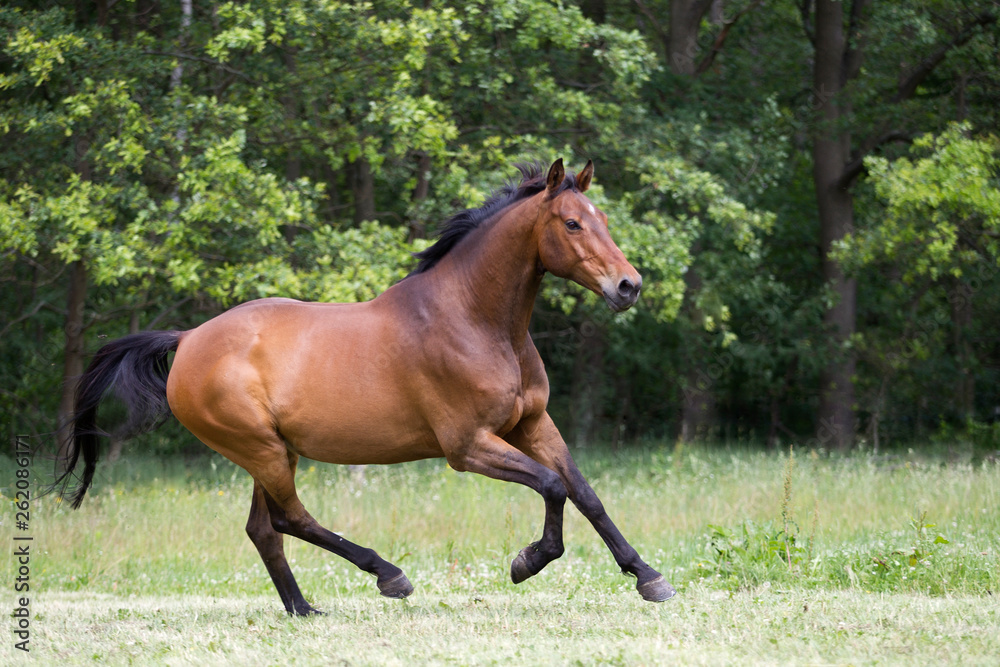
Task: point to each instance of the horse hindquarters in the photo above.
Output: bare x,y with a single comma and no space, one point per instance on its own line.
222,400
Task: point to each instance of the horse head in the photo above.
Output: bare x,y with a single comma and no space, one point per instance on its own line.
574,241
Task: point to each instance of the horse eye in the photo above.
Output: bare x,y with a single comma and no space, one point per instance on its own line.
573,225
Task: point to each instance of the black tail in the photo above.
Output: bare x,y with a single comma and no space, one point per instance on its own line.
135,367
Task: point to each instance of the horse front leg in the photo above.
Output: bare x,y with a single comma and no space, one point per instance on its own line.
491,456
541,440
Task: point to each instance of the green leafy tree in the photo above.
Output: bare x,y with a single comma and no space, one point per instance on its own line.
936,234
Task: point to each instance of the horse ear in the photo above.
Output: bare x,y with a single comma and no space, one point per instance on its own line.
583,178
556,176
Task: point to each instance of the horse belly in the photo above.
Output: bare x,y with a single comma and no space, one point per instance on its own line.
354,404
350,431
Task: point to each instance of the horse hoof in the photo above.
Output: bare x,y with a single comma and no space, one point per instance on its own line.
398,587
307,611
656,590
519,570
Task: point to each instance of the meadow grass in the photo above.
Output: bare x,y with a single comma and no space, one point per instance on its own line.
803,559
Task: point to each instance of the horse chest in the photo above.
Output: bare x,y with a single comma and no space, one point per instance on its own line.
495,394
516,412
523,396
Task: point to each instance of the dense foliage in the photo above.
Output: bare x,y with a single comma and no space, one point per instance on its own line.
163,161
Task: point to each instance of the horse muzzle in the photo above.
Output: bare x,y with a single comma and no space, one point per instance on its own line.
622,295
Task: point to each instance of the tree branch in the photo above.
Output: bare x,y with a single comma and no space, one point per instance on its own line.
805,8
853,49
166,311
657,26
28,315
906,89
701,8
909,86
856,166
720,39
210,61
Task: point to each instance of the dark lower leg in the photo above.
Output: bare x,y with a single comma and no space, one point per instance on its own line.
270,546
497,459
534,557
650,583
541,440
390,579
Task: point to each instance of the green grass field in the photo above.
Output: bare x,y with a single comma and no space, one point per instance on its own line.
817,560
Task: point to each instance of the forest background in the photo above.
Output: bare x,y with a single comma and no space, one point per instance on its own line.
810,188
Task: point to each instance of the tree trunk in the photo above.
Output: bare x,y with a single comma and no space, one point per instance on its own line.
595,10
698,401
146,12
774,409
290,101
331,205
697,409
961,307
623,392
73,349
73,353
363,189
176,77
418,227
586,395
102,12
293,161
961,320
831,152
685,20
177,74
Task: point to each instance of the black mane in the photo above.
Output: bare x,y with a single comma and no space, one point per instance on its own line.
533,177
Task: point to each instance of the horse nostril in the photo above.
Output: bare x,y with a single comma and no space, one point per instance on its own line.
626,289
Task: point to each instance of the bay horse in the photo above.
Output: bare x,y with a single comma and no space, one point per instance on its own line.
439,365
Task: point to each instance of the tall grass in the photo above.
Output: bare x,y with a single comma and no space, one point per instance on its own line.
727,518
858,560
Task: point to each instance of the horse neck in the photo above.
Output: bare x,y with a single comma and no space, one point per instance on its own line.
494,275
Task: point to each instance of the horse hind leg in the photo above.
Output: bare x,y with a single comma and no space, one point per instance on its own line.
270,546
237,424
276,509
288,516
